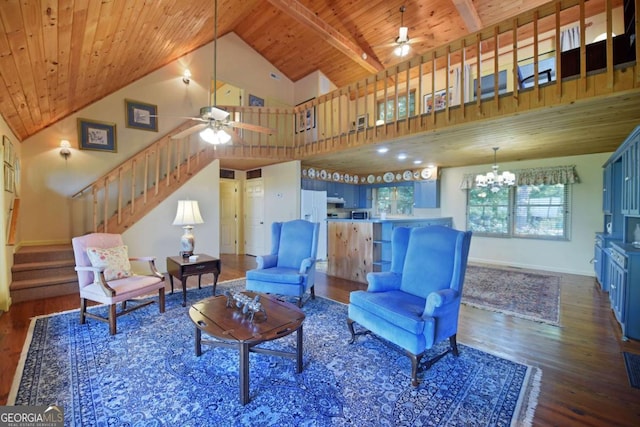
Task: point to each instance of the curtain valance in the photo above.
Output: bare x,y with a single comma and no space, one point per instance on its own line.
535,176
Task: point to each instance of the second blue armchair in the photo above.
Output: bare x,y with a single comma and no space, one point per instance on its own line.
290,267
415,305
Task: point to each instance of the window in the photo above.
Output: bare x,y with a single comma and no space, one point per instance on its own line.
393,200
402,107
536,211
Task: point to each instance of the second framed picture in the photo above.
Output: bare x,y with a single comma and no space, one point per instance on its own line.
96,135
140,115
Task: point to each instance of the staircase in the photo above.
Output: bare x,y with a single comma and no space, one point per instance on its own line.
43,272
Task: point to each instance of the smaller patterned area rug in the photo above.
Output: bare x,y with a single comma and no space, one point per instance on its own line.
148,375
523,294
632,363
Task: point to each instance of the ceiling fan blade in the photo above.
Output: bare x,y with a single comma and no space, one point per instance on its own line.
251,127
187,132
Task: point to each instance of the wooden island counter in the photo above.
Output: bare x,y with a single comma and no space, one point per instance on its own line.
359,246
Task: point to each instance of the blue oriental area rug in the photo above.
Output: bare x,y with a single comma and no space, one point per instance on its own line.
148,375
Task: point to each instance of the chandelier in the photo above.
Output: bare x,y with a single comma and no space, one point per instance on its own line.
495,180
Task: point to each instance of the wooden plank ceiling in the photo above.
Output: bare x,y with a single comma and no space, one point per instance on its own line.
58,56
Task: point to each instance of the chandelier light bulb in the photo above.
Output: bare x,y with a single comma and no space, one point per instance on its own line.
493,179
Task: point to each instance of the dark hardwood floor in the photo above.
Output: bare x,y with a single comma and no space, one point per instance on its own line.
584,381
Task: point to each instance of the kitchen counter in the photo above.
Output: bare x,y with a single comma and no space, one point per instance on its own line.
357,247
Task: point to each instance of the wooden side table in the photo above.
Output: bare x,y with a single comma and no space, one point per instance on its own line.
181,268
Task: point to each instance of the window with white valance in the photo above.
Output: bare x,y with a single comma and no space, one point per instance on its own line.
537,206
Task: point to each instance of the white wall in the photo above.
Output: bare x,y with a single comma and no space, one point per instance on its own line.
281,195
154,235
573,256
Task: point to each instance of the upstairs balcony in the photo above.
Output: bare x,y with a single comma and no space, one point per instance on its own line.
565,52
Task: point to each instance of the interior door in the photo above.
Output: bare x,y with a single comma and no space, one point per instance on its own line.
229,217
254,217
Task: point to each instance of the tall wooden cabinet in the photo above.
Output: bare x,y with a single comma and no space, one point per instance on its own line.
616,257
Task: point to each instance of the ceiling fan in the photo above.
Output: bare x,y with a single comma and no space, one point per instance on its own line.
215,120
402,41
401,44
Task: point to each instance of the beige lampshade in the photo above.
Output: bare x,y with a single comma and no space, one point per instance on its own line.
188,213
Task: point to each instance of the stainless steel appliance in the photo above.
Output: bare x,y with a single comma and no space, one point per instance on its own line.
359,214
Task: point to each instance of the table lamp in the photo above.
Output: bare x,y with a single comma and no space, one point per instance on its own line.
187,216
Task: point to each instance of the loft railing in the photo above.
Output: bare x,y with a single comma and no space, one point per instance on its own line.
457,83
510,67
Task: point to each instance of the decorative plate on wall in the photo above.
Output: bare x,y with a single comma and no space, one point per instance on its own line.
336,176
323,174
416,175
355,179
312,173
398,177
304,172
426,173
378,178
407,175
371,179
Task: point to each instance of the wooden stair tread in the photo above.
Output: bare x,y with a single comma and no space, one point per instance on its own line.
34,283
42,265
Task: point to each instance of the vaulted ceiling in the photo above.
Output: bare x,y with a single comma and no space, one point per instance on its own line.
58,56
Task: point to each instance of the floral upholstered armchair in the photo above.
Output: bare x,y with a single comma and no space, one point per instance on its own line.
415,305
291,266
104,275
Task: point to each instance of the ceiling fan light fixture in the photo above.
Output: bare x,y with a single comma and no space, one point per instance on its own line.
402,50
215,136
403,35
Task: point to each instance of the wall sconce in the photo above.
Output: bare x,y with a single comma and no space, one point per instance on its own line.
65,148
186,76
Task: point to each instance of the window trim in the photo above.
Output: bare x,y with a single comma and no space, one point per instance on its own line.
511,217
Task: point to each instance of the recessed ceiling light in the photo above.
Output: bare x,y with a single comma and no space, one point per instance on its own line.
382,150
417,162
402,156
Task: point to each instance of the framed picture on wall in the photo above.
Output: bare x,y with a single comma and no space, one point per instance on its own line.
96,135
8,150
9,177
140,115
361,122
255,101
438,103
305,119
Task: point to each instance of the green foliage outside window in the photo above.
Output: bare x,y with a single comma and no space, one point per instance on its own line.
402,107
538,211
394,200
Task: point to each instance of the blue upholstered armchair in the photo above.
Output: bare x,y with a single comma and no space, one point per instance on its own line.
415,305
291,266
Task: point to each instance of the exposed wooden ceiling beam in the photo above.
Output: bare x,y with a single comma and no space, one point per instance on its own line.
306,17
469,15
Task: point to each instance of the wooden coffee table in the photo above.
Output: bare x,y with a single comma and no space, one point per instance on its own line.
234,330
